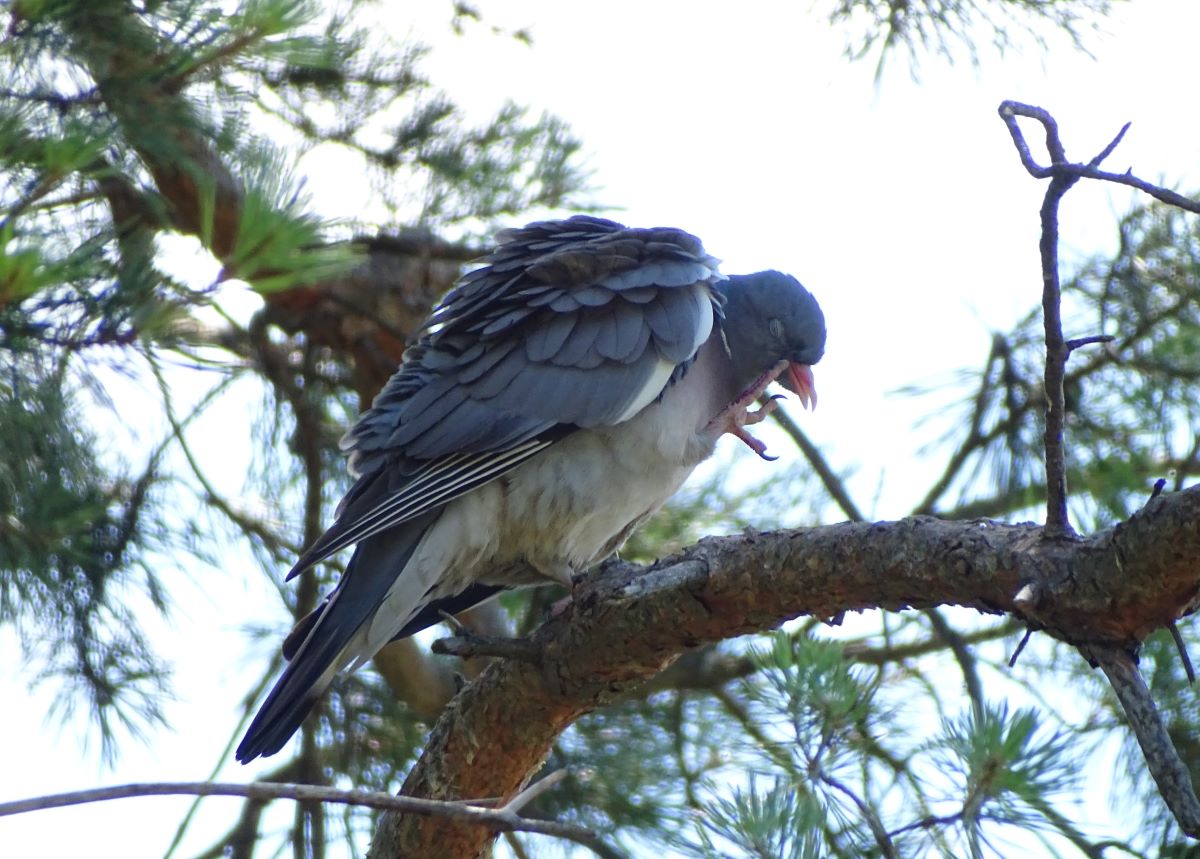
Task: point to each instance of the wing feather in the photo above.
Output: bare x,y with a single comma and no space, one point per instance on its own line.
568,324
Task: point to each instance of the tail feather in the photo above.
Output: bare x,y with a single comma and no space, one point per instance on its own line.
336,636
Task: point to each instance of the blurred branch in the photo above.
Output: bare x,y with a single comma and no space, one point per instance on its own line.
833,484
975,435
1035,398
858,652
422,682
123,54
270,538
886,848
1169,772
962,654
498,820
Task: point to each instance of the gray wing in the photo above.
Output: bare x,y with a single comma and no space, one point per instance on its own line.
568,324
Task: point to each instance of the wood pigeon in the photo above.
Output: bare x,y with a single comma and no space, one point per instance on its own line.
554,400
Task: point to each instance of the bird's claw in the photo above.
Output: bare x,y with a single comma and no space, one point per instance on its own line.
754,444
737,416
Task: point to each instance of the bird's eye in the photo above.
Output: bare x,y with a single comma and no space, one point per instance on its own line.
775,326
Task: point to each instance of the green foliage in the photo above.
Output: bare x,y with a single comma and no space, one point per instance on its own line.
71,532
946,26
777,822
278,244
1002,768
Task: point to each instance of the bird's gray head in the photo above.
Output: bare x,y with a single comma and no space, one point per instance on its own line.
771,318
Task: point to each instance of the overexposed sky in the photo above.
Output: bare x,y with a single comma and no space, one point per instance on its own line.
901,204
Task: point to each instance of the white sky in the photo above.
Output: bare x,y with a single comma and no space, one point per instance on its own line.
901,205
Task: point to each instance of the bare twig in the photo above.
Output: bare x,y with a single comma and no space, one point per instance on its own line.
883,840
502,820
1183,654
1012,660
1169,772
1057,522
1010,110
1078,342
1062,175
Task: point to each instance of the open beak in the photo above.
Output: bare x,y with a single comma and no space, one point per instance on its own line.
798,379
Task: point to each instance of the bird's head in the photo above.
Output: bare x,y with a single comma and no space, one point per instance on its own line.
770,319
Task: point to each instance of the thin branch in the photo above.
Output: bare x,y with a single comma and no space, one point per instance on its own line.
1063,174
1010,110
1181,647
1057,522
963,655
929,823
1012,660
501,820
833,483
1169,771
883,655
1077,342
887,848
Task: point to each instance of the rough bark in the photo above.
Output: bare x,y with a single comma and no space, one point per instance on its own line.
627,622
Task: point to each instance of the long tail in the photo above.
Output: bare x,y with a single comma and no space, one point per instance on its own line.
335,639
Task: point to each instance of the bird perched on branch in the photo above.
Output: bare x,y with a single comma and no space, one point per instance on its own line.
555,399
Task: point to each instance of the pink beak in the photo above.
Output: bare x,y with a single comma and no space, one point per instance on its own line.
798,379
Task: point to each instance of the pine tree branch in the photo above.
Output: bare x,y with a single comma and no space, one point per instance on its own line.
496,820
1063,174
963,655
627,622
1169,771
858,652
126,59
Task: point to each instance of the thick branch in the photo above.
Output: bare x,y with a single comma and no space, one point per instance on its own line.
627,623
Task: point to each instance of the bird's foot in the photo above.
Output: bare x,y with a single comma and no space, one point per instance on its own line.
735,417
468,645
559,573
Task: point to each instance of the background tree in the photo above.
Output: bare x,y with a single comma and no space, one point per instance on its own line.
127,126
